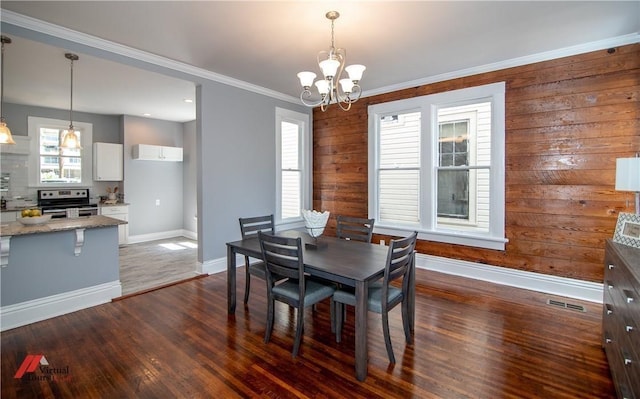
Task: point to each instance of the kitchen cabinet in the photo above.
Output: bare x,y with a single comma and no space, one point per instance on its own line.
148,152
21,147
120,212
107,162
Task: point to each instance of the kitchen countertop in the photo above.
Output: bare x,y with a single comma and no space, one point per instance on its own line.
85,222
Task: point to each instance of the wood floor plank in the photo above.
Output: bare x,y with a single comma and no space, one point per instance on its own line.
473,340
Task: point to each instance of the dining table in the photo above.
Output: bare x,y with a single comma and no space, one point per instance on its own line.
349,263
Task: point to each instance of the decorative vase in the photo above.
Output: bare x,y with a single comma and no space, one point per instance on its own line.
315,223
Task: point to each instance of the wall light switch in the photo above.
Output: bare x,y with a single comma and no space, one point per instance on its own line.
157,202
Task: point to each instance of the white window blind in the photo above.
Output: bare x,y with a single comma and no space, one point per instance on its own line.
293,176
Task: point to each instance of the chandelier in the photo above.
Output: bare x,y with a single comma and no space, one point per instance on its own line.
331,64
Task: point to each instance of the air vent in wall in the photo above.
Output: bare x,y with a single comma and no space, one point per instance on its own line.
565,305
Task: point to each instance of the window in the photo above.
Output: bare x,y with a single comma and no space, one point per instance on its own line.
54,166
293,172
436,165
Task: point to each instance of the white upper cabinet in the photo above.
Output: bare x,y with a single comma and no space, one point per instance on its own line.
147,152
107,162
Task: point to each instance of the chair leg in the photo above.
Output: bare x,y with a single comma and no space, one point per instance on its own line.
405,322
270,315
299,332
332,312
338,312
387,337
247,283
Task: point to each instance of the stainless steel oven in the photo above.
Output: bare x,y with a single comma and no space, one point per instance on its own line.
62,203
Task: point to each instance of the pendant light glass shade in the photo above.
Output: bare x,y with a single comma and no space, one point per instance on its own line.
5,132
70,139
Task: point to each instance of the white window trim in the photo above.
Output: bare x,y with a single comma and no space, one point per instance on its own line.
34,124
286,115
428,105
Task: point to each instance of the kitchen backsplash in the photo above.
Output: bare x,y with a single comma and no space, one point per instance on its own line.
16,167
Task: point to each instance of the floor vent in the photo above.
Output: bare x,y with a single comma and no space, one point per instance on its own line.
565,305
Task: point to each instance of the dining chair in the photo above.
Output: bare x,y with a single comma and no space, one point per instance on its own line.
384,297
352,228
283,257
249,227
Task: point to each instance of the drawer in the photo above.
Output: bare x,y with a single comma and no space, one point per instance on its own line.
114,210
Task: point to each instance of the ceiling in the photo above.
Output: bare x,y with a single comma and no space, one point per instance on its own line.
266,43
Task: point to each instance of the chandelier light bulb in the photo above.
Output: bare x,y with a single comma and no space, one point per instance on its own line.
306,78
355,72
329,68
347,85
323,87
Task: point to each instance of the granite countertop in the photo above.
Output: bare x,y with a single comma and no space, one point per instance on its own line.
85,222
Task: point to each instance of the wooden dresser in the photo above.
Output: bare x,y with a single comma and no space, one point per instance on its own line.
621,317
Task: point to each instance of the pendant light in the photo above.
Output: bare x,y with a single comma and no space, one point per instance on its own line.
70,139
5,132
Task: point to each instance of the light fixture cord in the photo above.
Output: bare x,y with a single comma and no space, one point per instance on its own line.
332,35
71,102
2,80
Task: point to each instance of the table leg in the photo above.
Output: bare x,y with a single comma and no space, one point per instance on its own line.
362,358
231,280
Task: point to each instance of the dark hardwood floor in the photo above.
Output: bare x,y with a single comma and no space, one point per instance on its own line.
473,340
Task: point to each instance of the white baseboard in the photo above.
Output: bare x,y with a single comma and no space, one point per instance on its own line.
28,312
216,266
158,236
190,234
561,286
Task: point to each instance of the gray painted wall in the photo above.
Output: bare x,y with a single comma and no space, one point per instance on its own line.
106,128
236,168
148,181
189,178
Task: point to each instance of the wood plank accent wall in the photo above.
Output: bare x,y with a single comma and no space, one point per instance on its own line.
567,120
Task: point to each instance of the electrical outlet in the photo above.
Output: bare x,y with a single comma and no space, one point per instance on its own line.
382,242
157,202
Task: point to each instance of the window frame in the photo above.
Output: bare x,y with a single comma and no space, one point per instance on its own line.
34,124
305,165
427,226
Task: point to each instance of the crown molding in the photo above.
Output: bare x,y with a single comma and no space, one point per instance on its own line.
57,31
514,62
60,32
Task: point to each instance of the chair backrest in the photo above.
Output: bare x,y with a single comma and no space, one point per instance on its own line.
250,227
400,260
351,228
282,256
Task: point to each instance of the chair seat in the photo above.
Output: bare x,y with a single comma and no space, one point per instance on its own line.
314,291
374,302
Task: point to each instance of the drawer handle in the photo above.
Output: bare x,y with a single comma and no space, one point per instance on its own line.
609,309
629,295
